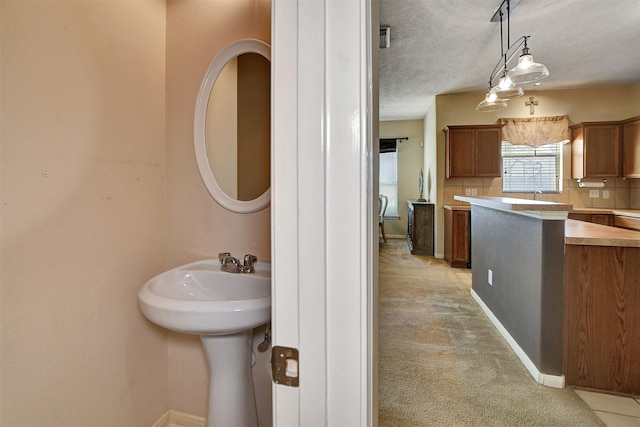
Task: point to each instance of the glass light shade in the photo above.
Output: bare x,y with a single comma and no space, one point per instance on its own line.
493,105
527,71
506,90
507,93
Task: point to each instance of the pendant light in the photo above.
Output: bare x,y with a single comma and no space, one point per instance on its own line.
506,89
491,103
527,71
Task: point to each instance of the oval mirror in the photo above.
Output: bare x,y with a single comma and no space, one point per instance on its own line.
232,127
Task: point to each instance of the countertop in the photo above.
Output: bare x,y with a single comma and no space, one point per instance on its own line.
634,213
589,234
533,208
466,207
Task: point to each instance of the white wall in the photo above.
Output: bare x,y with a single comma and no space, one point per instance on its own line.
83,212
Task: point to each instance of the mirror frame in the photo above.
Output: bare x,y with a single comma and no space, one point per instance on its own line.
199,127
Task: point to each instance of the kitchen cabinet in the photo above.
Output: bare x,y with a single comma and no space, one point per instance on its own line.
602,219
631,148
457,236
420,228
595,150
601,322
631,223
473,151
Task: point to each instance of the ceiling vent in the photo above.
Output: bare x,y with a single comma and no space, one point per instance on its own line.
385,37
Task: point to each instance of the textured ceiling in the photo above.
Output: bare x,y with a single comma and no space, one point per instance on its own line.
448,46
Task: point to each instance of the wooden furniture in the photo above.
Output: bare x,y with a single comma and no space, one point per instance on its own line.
457,236
420,227
473,151
628,222
602,219
631,148
383,202
595,150
601,322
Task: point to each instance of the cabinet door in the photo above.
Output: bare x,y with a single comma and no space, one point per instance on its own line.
488,152
602,219
631,149
461,239
602,150
460,153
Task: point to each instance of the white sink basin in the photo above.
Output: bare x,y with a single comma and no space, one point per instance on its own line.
198,298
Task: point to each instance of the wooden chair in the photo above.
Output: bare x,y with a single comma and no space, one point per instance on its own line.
384,201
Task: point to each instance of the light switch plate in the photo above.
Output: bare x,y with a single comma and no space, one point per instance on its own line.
594,194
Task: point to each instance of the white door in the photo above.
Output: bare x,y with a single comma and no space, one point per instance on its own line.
324,226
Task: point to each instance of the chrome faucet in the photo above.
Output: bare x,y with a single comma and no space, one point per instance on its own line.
536,192
249,260
233,265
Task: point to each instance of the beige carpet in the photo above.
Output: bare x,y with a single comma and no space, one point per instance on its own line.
442,363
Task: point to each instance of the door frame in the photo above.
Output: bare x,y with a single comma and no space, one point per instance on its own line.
323,216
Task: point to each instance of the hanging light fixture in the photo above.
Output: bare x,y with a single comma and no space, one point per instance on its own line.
491,103
526,71
506,88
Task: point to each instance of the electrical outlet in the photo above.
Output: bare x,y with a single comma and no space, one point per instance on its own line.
474,192
594,194
605,194
490,277
467,191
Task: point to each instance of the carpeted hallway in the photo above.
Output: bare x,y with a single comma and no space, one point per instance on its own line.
442,363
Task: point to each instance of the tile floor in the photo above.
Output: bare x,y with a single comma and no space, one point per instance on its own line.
614,411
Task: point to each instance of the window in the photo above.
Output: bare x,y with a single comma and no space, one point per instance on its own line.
527,169
389,181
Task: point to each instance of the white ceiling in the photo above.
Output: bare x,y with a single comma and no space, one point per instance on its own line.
448,46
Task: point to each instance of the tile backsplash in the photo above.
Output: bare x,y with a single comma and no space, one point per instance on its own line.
622,193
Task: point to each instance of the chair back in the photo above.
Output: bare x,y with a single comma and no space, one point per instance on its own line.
384,201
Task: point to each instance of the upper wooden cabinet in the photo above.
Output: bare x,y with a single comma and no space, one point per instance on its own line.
595,150
631,148
473,151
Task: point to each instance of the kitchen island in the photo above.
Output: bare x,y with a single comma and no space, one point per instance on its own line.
563,293
517,277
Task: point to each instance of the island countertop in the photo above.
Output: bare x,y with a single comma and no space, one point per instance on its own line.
589,234
533,208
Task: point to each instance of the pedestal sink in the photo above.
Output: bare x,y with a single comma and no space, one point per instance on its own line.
223,308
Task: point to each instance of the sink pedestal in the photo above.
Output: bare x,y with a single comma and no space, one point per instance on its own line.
232,400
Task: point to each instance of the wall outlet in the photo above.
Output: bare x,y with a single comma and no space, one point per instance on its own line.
490,277
594,194
467,191
474,192
605,194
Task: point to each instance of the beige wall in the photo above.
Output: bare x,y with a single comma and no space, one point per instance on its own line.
410,160
198,227
589,104
83,212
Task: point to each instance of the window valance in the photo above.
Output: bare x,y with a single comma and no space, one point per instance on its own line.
535,131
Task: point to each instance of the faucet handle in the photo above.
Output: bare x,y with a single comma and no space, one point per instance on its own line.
249,259
223,255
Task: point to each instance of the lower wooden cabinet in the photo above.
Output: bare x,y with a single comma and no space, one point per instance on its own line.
457,237
602,219
420,228
601,320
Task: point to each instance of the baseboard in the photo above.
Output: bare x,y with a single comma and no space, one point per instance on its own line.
173,418
556,381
